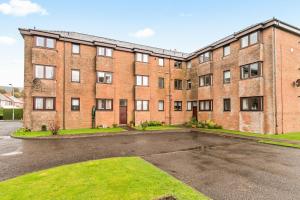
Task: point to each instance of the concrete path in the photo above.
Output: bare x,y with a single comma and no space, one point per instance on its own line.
220,167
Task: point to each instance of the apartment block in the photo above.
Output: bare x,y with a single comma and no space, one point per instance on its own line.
248,81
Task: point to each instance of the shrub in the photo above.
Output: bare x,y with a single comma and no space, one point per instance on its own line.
154,123
144,125
54,128
131,123
44,127
22,130
115,125
7,114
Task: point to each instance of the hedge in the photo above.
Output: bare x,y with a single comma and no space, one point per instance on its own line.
7,114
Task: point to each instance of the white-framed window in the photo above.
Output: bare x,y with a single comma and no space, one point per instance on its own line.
75,104
249,39
104,104
44,42
44,72
161,62
43,103
142,80
189,65
177,105
103,51
75,48
40,41
75,75
50,43
226,50
141,57
104,77
161,105
189,105
226,77
142,105
251,70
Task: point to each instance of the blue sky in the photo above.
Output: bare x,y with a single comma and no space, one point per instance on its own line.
185,25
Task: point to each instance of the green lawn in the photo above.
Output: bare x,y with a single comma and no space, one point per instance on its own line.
157,128
129,178
284,144
21,133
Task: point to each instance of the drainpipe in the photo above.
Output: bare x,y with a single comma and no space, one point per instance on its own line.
64,88
169,95
274,81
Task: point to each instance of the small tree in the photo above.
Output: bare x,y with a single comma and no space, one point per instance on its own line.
54,127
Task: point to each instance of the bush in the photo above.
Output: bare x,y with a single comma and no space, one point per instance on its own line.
44,127
54,128
154,123
7,114
144,125
209,124
115,125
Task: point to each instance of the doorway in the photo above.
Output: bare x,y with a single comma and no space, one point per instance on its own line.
195,110
123,111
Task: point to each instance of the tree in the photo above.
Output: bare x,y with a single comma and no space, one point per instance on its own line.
2,91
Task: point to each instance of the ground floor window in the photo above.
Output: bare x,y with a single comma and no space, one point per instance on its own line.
251,103
160,105
227,105
142,105
178,105
75,104
205,105
189,105
104,104
43,103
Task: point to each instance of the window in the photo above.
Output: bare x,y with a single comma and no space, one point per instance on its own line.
177,84
227,105
205,80
205,57
103,51
140,57
75,48
189,65
251,70
142,105
251,103
205,105
189,84
189,105
75,104
178,64
226,50
44,42
177,105
75,75
43,103
161,62
249,40
226,77
142,80
161,83
104,77
44,72
160,105
104,104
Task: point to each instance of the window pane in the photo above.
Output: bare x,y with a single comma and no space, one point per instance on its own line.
108,77
145,58
38,103
254,103
189,65
207,103
227,77
206,56
101,104
138,105
201,58
226,50
75,102
245,72
245,41
75,48
49,72
161,62
138,80
50,43
109,52
145,105
39,71
40,41
201,81
189,105
254,69
161,82
49,104
108,104
75,76
201,105
101,51
139,57
161,105
254,38
145,80
245,105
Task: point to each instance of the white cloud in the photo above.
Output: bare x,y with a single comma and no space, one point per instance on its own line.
21,8
7,40
144,33
185,15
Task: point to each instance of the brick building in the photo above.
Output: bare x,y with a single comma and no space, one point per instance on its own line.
247,81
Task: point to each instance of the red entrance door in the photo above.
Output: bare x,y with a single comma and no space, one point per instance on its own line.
195,110
123,111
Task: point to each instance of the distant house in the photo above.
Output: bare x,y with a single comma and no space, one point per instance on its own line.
16,102
5,102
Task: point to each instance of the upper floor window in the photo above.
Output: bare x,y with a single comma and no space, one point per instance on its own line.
142,105
141,57
251,103
178,64
75,104
161,82
75,75
251,70
189,105
249,39
189,65
161,62
178,105
75,48
188,84
226,50
104,77
226,77
104,104
142,80
205,105
161,105
177,84
227,105
204,57
44,42
205,80
103,51
44,72
43,103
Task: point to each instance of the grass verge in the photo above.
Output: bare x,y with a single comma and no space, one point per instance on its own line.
157,128
129,178
21,133
284,144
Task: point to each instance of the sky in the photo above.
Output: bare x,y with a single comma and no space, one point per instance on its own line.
184,25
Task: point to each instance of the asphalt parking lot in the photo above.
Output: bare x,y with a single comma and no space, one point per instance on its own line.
219,167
